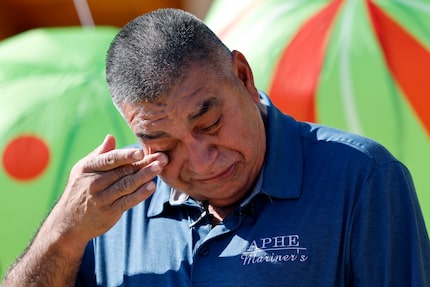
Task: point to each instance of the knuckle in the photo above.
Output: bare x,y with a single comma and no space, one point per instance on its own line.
118,173
108,159
80,166
103,162
94,181
124,171
126,184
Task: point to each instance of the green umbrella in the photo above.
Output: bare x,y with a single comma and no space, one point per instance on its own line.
55,108
359,65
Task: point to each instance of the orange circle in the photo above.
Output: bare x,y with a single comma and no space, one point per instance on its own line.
26,157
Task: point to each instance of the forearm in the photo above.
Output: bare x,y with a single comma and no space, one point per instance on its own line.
50,260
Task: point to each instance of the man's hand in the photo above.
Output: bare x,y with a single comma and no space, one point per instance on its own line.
101,187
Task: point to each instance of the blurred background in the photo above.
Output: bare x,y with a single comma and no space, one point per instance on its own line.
20,15
358,65
54,103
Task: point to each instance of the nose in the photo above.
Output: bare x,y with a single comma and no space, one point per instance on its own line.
201,154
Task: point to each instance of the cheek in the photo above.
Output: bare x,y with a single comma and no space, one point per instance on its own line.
249,140
167,178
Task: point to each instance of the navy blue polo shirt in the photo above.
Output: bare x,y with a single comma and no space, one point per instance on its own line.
330,209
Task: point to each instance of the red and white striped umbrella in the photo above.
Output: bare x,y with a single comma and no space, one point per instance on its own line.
359,65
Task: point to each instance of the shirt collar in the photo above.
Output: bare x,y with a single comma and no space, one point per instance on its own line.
283,172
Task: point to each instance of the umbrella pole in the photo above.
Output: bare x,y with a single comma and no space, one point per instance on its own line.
84,13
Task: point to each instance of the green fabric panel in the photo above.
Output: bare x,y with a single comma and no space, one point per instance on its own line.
52,85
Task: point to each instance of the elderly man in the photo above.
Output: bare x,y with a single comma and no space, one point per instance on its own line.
225,189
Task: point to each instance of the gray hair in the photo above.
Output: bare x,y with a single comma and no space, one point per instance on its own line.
151,53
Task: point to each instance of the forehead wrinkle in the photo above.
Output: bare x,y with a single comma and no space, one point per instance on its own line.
158,115
143,112
144,136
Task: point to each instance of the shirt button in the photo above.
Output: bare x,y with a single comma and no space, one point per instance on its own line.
204,251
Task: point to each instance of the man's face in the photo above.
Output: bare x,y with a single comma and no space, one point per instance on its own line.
211,130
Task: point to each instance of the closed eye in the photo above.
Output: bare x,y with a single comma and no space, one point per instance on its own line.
211,127
163,146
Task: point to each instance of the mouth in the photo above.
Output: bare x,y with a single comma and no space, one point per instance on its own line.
222,176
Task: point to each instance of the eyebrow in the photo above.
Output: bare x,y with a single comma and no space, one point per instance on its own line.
154,136
203,108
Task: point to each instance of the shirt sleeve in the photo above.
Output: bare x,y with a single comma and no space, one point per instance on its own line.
389,243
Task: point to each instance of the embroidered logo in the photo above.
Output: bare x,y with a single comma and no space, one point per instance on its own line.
277,249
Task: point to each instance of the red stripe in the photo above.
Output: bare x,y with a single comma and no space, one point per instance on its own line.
408,60
296,76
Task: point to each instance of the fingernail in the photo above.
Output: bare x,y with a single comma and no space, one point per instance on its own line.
137,154
156,167
150,185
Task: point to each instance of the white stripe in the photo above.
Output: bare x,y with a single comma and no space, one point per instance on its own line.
416,4
347,93
252,35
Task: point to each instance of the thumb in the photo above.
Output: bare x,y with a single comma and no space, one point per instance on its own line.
108,144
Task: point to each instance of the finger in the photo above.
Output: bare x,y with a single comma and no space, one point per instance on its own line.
128,201
120,179
113,159
129,184
149,158
108,144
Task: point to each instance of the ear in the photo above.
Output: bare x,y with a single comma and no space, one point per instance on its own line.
244,73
